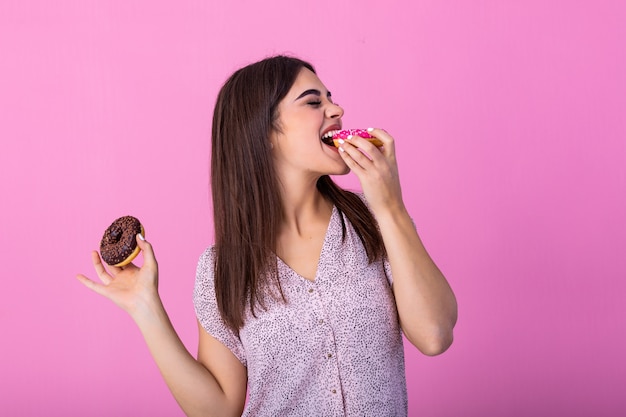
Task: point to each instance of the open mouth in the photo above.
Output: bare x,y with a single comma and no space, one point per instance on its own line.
327,138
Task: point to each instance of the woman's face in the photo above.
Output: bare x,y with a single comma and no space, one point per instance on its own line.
305,114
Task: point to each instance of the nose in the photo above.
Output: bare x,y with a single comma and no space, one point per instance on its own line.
334,111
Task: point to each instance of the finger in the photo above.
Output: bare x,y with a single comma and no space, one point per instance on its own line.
364,145
348,153
388,147
351,148
94,286
116,269
149,259
100,268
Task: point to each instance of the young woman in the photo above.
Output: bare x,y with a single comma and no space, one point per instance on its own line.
302,300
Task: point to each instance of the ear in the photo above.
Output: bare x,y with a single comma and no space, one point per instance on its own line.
273,138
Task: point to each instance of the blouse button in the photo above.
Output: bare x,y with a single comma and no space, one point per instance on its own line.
330,355
310,289
334,391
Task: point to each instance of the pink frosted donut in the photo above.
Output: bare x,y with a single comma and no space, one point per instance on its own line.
343,134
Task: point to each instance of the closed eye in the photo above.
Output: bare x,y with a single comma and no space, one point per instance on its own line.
317,94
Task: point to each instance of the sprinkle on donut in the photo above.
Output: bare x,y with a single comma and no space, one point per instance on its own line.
333,137
343,134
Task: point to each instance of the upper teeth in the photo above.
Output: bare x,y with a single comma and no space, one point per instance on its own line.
329,135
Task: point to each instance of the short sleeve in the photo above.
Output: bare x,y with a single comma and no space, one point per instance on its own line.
207,312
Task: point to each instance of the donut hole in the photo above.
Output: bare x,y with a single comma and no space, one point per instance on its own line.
116,234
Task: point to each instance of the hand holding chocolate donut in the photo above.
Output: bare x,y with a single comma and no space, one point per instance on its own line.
127,285
118,246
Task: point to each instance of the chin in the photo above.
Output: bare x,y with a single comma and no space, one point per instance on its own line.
336,167
345,170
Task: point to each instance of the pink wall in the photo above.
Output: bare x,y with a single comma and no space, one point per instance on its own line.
509,118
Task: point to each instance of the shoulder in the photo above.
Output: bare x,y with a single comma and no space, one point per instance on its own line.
361,196
206,259
204,270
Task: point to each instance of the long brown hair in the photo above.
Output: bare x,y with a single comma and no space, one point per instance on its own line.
247,205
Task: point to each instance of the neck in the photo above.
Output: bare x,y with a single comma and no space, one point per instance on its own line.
303,204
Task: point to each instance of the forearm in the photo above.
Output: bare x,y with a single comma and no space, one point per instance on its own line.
426,304
195,389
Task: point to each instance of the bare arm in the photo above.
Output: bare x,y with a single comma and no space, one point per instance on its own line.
426,304
213,385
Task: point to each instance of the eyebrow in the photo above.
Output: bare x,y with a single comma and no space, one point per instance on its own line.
312,91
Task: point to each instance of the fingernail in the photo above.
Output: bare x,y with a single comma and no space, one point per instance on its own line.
341,149
341,141
349,137
141,236
369,129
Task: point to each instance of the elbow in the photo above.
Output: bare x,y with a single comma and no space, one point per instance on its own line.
433,334
438,345
434,343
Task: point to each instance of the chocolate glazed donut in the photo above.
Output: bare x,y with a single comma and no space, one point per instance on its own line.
118,246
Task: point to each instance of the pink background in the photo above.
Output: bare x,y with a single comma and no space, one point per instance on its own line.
510,124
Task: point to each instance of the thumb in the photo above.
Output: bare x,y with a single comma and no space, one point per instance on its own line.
148,252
